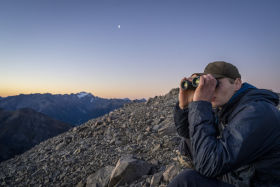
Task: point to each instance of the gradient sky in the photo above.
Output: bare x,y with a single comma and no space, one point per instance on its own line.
66,46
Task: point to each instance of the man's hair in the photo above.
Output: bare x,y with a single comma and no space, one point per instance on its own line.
231,81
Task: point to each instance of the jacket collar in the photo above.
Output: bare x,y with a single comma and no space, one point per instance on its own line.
244,88
227,109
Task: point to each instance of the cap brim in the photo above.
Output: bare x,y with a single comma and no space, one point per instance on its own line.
216,76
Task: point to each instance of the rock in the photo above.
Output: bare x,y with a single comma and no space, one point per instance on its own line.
167,129
68,139
139,137
156,127
156,179
157,147
184,161
155,162
127,170
98,123
171,172
100,178
77,151
81,184
59,146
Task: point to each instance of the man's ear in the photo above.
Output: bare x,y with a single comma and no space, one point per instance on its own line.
237,84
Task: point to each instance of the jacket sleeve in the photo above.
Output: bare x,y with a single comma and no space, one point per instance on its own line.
181,121
247,136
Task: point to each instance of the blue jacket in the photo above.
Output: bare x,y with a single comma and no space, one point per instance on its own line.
240,144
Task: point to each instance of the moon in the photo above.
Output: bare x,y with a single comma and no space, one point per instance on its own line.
119,26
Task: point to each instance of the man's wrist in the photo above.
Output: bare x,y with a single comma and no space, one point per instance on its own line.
182,107
180,110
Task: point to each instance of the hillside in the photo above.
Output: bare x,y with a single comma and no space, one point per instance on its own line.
22,129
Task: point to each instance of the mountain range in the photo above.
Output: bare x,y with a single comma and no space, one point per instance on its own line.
26,120
73,109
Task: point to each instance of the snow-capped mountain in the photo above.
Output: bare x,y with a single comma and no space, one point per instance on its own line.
84,94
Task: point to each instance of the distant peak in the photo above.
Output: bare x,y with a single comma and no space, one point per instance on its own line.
83,94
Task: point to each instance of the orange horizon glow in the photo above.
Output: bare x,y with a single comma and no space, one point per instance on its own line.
102,94
132,91
105,96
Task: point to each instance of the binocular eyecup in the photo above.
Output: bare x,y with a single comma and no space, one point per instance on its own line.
186,84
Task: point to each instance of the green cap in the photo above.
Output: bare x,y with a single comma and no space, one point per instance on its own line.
221,69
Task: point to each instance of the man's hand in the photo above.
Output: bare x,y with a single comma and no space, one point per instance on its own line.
185,96
206,88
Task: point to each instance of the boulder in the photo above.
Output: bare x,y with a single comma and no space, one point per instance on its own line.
100,178
127,170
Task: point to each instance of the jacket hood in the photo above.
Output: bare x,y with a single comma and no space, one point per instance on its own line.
250,93
262,95
245,94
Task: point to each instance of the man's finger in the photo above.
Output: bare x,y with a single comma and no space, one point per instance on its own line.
201,81
212,79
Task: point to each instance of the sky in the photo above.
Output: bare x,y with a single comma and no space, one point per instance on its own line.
133,48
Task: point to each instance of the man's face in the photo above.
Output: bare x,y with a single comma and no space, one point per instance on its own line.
225,91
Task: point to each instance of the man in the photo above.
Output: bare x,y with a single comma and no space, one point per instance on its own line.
231,130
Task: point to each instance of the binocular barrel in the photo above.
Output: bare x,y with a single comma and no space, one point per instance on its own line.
186,84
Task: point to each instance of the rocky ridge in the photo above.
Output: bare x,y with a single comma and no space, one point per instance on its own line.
139,131
132,146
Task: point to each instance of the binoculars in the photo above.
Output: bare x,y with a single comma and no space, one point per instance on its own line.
186,84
